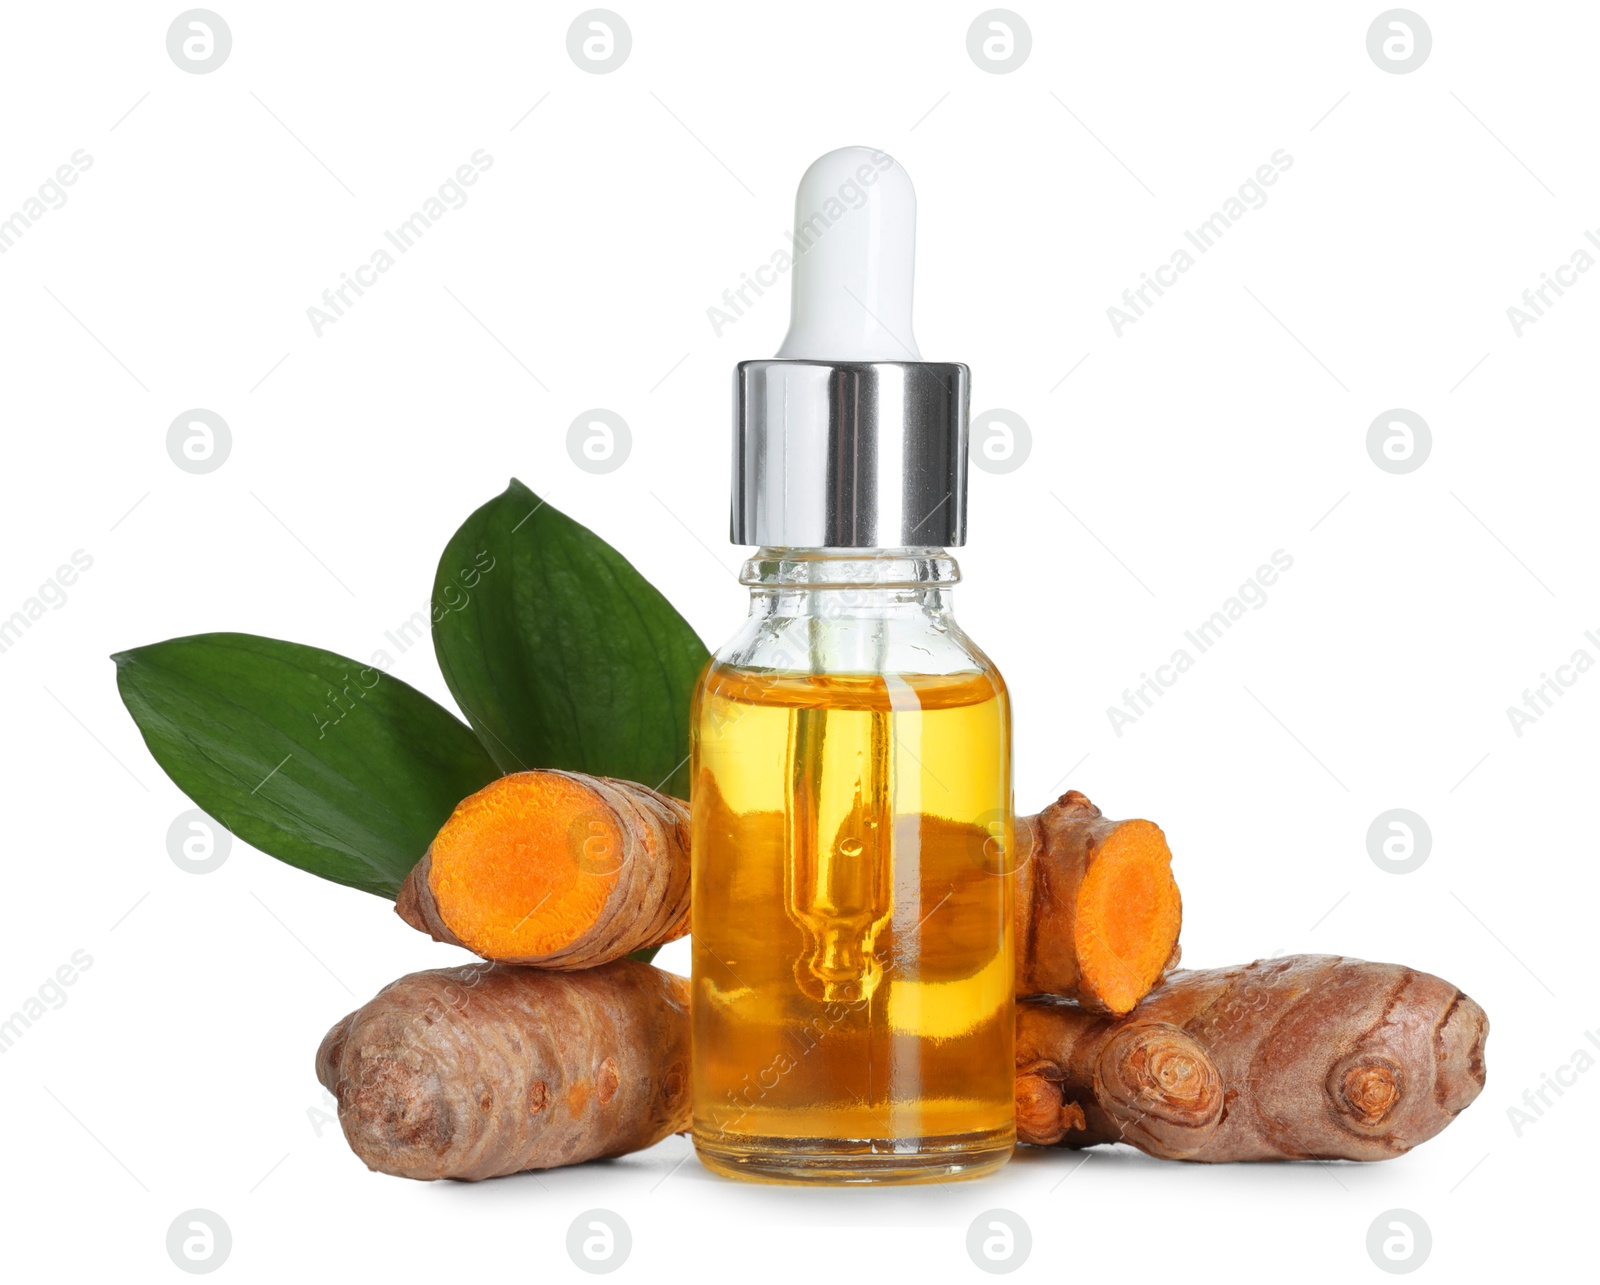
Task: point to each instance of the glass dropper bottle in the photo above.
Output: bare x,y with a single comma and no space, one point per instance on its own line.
851,789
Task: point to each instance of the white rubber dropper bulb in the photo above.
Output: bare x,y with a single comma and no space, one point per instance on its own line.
855,229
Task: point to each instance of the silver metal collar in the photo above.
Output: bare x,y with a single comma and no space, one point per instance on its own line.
850,455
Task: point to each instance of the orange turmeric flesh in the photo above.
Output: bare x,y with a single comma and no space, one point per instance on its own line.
509,852
1128,916
1097,909
557,869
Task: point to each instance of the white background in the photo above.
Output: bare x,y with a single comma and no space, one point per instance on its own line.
1229,422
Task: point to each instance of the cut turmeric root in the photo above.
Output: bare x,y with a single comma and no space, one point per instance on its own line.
555,869
489,1069
1097,909
1317,1058
562,870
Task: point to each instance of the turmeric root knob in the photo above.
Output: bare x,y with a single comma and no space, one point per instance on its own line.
555,869
1043,1116
1367,1091
1158,1073
1084,1079
1097,909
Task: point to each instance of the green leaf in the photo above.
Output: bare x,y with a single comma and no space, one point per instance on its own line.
559,652
323,762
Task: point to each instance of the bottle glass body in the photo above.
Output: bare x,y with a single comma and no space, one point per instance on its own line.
853,969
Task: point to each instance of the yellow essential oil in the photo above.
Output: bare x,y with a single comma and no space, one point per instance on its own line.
852,1006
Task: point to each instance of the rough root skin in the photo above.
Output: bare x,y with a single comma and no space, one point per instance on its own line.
1097,910
490,1069
555,870
1320,1057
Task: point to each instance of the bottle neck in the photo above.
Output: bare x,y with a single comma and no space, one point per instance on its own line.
894,571
852,611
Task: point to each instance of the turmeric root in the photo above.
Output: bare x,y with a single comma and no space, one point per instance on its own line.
1097,909
1319,1057
1088,1079
491,1069
555,869
562,870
